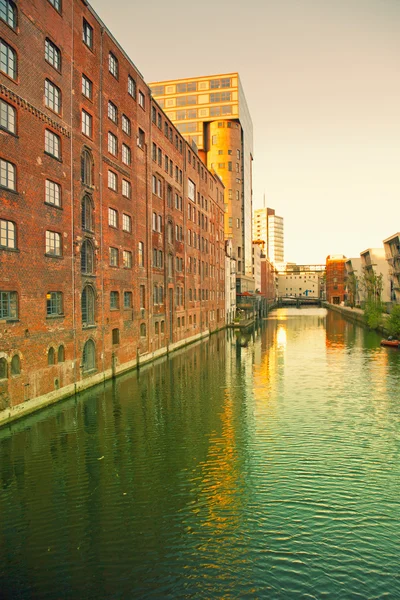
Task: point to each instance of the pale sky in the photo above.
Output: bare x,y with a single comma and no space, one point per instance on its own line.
322,82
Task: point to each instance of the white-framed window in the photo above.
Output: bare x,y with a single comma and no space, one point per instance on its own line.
113,254
87,124
52,143
56,4
8,60
8,305
112,144
8,175
140,138
87,34
112,181
54,304
53,243
191,190
127,223
141,99
52,193
127,259
8,13
113,65
87,87
131,87
112,217
126,188
126,125
126,154
8,117
141,254
52,96
112,112
8,234
52,54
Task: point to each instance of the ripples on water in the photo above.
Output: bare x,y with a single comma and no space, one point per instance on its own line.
263,466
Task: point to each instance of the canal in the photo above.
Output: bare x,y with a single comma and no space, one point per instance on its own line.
265,466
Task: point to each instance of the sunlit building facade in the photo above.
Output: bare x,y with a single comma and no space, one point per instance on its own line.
268,229
211,113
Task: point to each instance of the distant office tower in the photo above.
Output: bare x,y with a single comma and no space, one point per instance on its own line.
211,112
268,228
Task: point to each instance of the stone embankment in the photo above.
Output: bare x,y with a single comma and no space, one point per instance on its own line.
354,314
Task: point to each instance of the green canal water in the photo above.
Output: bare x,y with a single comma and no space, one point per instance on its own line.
266,466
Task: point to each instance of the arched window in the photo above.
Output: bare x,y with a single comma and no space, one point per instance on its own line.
8,13
15,365
87,258
89,356
3,368
61,354
87,213
156,328
170,232
155,294
88,306
143,330
50,354
87,167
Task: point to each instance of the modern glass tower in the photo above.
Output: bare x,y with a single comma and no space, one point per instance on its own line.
211,113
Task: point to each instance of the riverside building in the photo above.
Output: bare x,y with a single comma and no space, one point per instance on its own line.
268,229
211,113
112,229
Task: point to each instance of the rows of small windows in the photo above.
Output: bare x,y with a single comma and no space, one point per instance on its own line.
9,305
158,258
157,156
126,187
115,255
197,241
193,86
168,130
159,327
199,217
113,220
115,300
14,367
158,295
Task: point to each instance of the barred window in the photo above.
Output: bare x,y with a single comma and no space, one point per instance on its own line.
87,258
8,175
8,13
112,111
126,188
54,304
88,306
131,87
52,144
87,124
53,243
87,87
8,118
52,96
87,213
8,232
53,193
87,165
8,305
8,60
52,54
113,65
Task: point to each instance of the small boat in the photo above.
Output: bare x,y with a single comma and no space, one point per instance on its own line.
393,343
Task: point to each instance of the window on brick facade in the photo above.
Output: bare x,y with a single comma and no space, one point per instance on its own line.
126,125
112,111
141,138
52,144
141,99
87,220
53,243
8,305
56,4
127,299
87,34
8,117
54,304
126,188
87,87
3,368
8,60
113,65
87,258
61,354
112,144
131,87
52,54
15,365
112,181
89,356
112,217
87,165
142,330
142,296
8,13
87,124
114,300
88,306
127,259
126,154
141,254
52,96
154,151
113,256
115,336
8,234
52,193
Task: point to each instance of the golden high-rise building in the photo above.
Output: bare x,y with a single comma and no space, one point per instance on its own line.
211,113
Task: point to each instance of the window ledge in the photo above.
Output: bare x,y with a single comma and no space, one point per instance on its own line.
54,256
6,189
53,205
92,326
9,320
57,158
55,316
6,249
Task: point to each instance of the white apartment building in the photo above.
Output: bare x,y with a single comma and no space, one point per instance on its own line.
268,228
374,260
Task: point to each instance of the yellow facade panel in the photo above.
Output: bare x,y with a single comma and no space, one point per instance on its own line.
170,89
170,102
203,112
202,99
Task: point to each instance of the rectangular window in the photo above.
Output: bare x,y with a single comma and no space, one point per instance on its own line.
141,254
220,83
87,87
127,259
141,99
112,111
52,144
112,144
127,299
142,296
52,54
7,234
112,181
159,157
8,175
56,4
8,305
8,60
140,139
191,190
53,193
113,254
87,34
114,300
220,97
126,188
53,243
7,117
113,65
126,154
52,96
154,152
186,100
87,124
126,125
54,304
127,223
112,217
131,87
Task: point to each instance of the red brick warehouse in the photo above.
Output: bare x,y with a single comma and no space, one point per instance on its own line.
112,246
